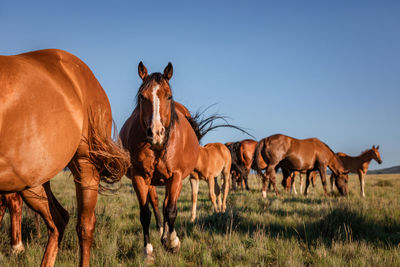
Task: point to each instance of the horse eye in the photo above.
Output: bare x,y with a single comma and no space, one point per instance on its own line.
141,97
169,97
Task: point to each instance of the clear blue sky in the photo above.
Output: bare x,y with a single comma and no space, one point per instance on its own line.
326,69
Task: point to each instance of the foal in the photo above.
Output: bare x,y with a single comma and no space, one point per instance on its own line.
359,164
214,160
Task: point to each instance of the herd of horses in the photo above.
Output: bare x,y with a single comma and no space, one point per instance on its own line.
51,95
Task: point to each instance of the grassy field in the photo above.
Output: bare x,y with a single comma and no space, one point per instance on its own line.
286,231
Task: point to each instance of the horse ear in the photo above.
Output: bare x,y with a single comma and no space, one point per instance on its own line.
142,71
168,71
377,147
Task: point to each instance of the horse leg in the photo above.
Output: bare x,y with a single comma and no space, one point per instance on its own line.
301,182
307,182
195,189
3,207
332,180
293,186
361,177
143,195
271,174
14,203
154,204
218,193
225,186
322,173
169,239
211,189
264,180
40,199
86,187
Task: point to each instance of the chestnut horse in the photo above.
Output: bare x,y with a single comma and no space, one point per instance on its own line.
301,155
359,164
214,160
242,153
164,150
13,202
50,96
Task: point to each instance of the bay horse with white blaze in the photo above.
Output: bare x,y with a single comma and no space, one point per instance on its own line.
50,96
301,155
164,150
214,160
359,164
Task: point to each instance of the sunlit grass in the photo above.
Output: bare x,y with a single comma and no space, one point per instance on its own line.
289,230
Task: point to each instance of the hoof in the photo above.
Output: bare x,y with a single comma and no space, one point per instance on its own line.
264,194
192,219
17,249
148,254
172,243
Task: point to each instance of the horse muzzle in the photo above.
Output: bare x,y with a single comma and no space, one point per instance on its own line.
155,136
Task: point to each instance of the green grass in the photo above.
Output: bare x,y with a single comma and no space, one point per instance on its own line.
282,231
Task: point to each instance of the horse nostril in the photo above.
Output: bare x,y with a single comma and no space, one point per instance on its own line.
149,132
162,131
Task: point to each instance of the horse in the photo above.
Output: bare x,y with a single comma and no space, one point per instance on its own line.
214,160
50,96
359,164
164,149
301,155
288,183
13,202
242,153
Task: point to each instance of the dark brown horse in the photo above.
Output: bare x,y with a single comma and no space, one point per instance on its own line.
164,150
359,164
242,153
50,96
13,202
301,155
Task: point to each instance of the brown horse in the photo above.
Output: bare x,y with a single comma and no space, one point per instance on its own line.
301,155
214,160
13,202
242,153
48,96
164,150
359,164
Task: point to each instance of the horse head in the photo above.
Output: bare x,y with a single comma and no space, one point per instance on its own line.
156,105
376,155
342,182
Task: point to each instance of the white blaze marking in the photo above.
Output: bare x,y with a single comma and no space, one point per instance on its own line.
156,106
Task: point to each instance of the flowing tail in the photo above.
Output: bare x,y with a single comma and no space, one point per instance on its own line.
256,158
236,164
107,155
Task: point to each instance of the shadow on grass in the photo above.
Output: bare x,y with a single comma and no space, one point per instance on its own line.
339,224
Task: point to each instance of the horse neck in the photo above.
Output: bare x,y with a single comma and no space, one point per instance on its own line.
366,156
335,164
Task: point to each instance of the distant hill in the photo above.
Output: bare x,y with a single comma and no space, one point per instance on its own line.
391,170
